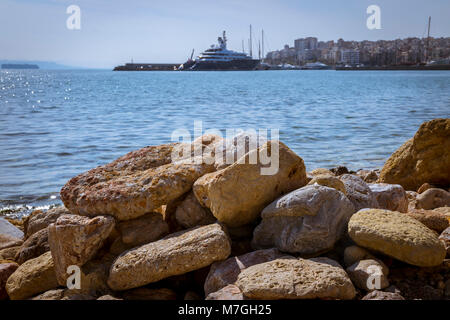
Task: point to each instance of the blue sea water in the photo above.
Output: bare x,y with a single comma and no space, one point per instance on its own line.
57,124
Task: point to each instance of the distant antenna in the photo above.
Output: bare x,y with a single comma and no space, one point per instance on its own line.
251,43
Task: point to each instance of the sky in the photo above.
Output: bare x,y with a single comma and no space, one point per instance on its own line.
115,31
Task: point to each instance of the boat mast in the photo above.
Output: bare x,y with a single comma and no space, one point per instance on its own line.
259,50
243,49
428,40
251,43
262,41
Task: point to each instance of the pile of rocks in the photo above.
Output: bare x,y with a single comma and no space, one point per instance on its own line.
148,227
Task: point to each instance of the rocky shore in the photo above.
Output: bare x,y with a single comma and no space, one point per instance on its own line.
146,227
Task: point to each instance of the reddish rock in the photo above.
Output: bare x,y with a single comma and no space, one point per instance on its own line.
6,269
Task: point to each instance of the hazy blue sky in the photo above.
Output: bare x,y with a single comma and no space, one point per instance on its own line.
166,31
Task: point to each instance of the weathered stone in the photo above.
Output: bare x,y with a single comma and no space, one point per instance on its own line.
321,171
412,199
340,170
308,221
150,294
133,185
445,238
34,246
328,181
424,158
175,254
397,235
226,272
63,294
296,279
34,276
9,253
433,220
74,240
237,194
39,220
6,270
369,274
190,213
368,176
354,254
425,187
9,230
7,241
108,297
390,196
358,192
230,292
433,198
145,229
380,295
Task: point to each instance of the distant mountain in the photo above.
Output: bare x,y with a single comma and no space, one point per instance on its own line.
46,65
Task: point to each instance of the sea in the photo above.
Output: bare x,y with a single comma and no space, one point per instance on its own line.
57,124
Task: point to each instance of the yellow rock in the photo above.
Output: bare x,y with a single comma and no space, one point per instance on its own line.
329,181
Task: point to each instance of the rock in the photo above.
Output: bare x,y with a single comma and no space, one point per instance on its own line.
328,181
443,210
358,192
390,196
447,288
354,254
7,241
63,294
434,220
425,187
397,235
296,279
133,185
150,294
34,276
9,253
368,176
175,254
9,230
237,194
142,230
424,158
445,238
34,246
6,270
321,171
369,274
191,295
230,292
74,240
433,198
338,171
39,220
226,272
108,297
380,295
94,276
190,213
308,221
412,199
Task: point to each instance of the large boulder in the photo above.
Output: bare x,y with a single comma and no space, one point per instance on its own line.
397,235
390,196
145,229
424,158
223,273
74,240
190,213
358,192
6,270
39,220
33,277
7,241
290,278
133,185
175,254
237,194
10,230
433,198
432,219
308,221
34,246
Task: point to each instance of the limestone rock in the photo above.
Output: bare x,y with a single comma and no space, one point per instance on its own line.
308,221
369,274
10,230
226,272
34,246
353,254
397,235
133,185
445,238
7,241
6,270
74,240
321,171
150,294
145,229
434,220
424,158
237,194
328,181
9,253
425,187
368,176
34,276
433,198
296,279
190,213
390,196
39,220
230,292
381,295
358,192
175,254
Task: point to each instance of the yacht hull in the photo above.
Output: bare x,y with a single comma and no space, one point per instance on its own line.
233,65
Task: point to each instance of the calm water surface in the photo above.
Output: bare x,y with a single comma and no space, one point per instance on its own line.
56,124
